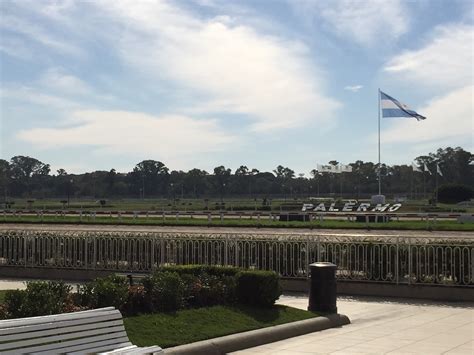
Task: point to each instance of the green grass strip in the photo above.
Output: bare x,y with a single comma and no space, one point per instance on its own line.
245,223
190,325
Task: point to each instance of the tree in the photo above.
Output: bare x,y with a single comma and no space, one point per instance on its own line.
284,173
242,171
150,177
26,171
222,177
195,181
4,178
61,172
110,180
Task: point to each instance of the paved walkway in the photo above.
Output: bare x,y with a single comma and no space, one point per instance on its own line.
384,327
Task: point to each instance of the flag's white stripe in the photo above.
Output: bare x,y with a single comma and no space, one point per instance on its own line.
388,104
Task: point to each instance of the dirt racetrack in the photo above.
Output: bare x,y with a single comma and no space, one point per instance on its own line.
234,230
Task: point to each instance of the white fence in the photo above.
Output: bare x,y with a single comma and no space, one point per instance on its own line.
399,260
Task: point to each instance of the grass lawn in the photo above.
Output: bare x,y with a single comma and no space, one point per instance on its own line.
253,223
2,295
190,325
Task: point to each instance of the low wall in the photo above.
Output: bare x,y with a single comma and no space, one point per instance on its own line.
353,288
360,288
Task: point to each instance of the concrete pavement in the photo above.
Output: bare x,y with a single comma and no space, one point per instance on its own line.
381,326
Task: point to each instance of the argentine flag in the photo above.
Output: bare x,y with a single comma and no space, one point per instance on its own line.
394,108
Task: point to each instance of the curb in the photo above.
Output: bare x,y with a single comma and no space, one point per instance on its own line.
245,340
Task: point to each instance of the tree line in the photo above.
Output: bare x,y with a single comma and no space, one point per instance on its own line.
28,177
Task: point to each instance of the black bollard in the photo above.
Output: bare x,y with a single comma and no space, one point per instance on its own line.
322,291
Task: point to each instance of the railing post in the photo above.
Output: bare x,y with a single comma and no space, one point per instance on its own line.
318,252
307,255
162,247
25,251
397,256
226,250
85,250
409,261
94,256
152,251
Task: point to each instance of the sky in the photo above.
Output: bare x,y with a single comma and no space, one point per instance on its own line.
96,85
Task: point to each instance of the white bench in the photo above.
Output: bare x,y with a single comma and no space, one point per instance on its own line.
87,332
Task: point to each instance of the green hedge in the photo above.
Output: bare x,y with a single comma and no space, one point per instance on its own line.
39,298
258,288
197,270
453,193
168,289
104,292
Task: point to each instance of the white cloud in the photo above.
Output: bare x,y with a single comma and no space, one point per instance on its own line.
450,120
364,21
447,59
15,48
353,88
134,134
221,65
229,67
30,95
59,80
38,34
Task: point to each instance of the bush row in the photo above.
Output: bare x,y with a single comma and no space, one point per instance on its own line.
168,289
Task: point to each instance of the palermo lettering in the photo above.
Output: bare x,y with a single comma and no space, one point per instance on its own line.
351,207
363,207
320,208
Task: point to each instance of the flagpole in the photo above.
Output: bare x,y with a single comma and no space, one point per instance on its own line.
380,182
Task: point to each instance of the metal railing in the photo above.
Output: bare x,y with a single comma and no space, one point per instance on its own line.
389,259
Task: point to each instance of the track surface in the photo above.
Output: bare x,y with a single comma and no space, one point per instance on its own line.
233,230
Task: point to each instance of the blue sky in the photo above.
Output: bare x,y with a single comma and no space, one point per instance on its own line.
196,84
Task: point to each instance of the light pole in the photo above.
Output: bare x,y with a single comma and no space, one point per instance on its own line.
172,194
69,191
222,193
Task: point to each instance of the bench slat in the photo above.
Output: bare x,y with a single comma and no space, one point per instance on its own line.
120,350
53,325
84,335
61,330
9,323
146,350
136,350
97,348
63,347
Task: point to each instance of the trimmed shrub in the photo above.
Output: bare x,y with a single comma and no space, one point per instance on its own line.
136,302
258,288
104,292
206,285
164,291
40,298
196,270
209,290
453,193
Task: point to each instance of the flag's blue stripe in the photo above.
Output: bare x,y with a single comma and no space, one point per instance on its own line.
395,112
386,97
